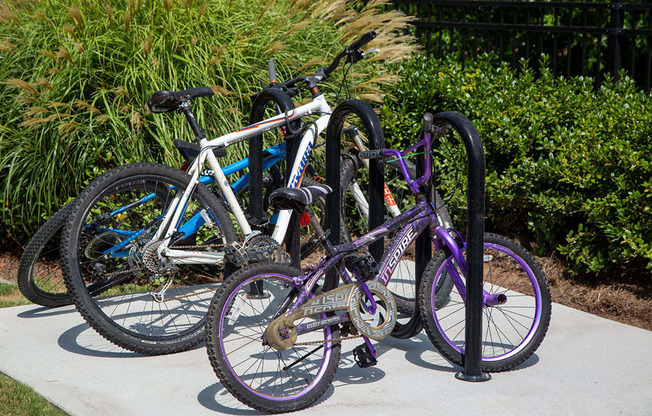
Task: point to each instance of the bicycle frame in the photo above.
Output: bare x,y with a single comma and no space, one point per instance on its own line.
276,153
409,224
170,222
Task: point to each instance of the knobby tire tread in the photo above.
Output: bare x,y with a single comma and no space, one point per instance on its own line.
72,275
30,256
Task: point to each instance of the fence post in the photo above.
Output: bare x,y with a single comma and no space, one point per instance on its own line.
615,33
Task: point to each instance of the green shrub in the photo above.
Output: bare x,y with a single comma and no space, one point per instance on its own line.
75,76
568,166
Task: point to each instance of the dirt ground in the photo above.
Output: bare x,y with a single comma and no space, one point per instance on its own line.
8,267
629,303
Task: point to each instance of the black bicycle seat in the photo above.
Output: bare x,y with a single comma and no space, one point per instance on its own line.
297,198
164,101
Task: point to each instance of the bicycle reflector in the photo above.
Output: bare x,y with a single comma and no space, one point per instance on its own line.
304,219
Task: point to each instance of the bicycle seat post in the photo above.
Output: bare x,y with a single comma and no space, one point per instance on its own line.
319,231
198,131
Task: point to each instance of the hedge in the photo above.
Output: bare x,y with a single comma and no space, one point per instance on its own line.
568,165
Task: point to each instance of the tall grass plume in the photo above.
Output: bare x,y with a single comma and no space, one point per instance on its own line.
76,76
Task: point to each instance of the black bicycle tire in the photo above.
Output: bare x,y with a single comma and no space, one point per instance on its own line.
440,341
232,382
75,282
26,281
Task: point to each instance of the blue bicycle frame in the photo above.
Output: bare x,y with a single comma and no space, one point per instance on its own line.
273,155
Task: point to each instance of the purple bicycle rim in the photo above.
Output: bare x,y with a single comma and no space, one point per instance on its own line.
538,303
327,347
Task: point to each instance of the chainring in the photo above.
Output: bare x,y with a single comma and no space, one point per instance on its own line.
380,324
263,248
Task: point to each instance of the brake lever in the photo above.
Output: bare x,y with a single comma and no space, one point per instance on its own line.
367,52
354,56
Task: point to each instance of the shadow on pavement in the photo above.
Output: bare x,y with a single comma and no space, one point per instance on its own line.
83,340
218,399
43,312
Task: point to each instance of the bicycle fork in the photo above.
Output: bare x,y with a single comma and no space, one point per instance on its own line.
444,239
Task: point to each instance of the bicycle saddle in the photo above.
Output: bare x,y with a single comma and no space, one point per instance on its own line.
298,198
164,101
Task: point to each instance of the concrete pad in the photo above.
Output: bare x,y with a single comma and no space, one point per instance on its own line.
585,366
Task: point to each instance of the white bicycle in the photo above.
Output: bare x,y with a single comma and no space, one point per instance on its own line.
146,245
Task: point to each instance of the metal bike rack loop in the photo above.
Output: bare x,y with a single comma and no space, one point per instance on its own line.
475,192
376,169
256,205
475,214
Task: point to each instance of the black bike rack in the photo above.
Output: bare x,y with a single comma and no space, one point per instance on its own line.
376,169
475,217
261,101
475,192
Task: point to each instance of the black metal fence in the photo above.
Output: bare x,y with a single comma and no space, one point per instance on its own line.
579,38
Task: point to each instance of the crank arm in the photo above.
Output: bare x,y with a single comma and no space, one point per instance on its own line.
108,282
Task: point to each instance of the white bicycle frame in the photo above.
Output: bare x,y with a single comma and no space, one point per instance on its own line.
172,218
359,197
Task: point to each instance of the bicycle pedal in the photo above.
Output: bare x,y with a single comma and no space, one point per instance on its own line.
363,357
257,223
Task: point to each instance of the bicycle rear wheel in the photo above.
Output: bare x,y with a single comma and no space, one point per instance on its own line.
131,295
40,278
516,309
258,375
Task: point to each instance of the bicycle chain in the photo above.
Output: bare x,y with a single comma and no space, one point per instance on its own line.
175,247
108,275
199,246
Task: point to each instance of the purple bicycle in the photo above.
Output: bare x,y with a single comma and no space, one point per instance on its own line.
274,333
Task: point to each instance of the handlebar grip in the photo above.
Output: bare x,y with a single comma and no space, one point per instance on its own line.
366,38
272,71
372,154
352,49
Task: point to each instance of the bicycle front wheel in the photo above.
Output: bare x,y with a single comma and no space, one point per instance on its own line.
516,309
125,288
258,375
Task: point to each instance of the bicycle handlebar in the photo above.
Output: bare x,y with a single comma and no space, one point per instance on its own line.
351,49
366,38
272,71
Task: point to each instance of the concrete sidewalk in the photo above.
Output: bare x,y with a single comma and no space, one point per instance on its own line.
585,366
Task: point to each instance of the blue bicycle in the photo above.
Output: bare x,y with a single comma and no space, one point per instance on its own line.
39,276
